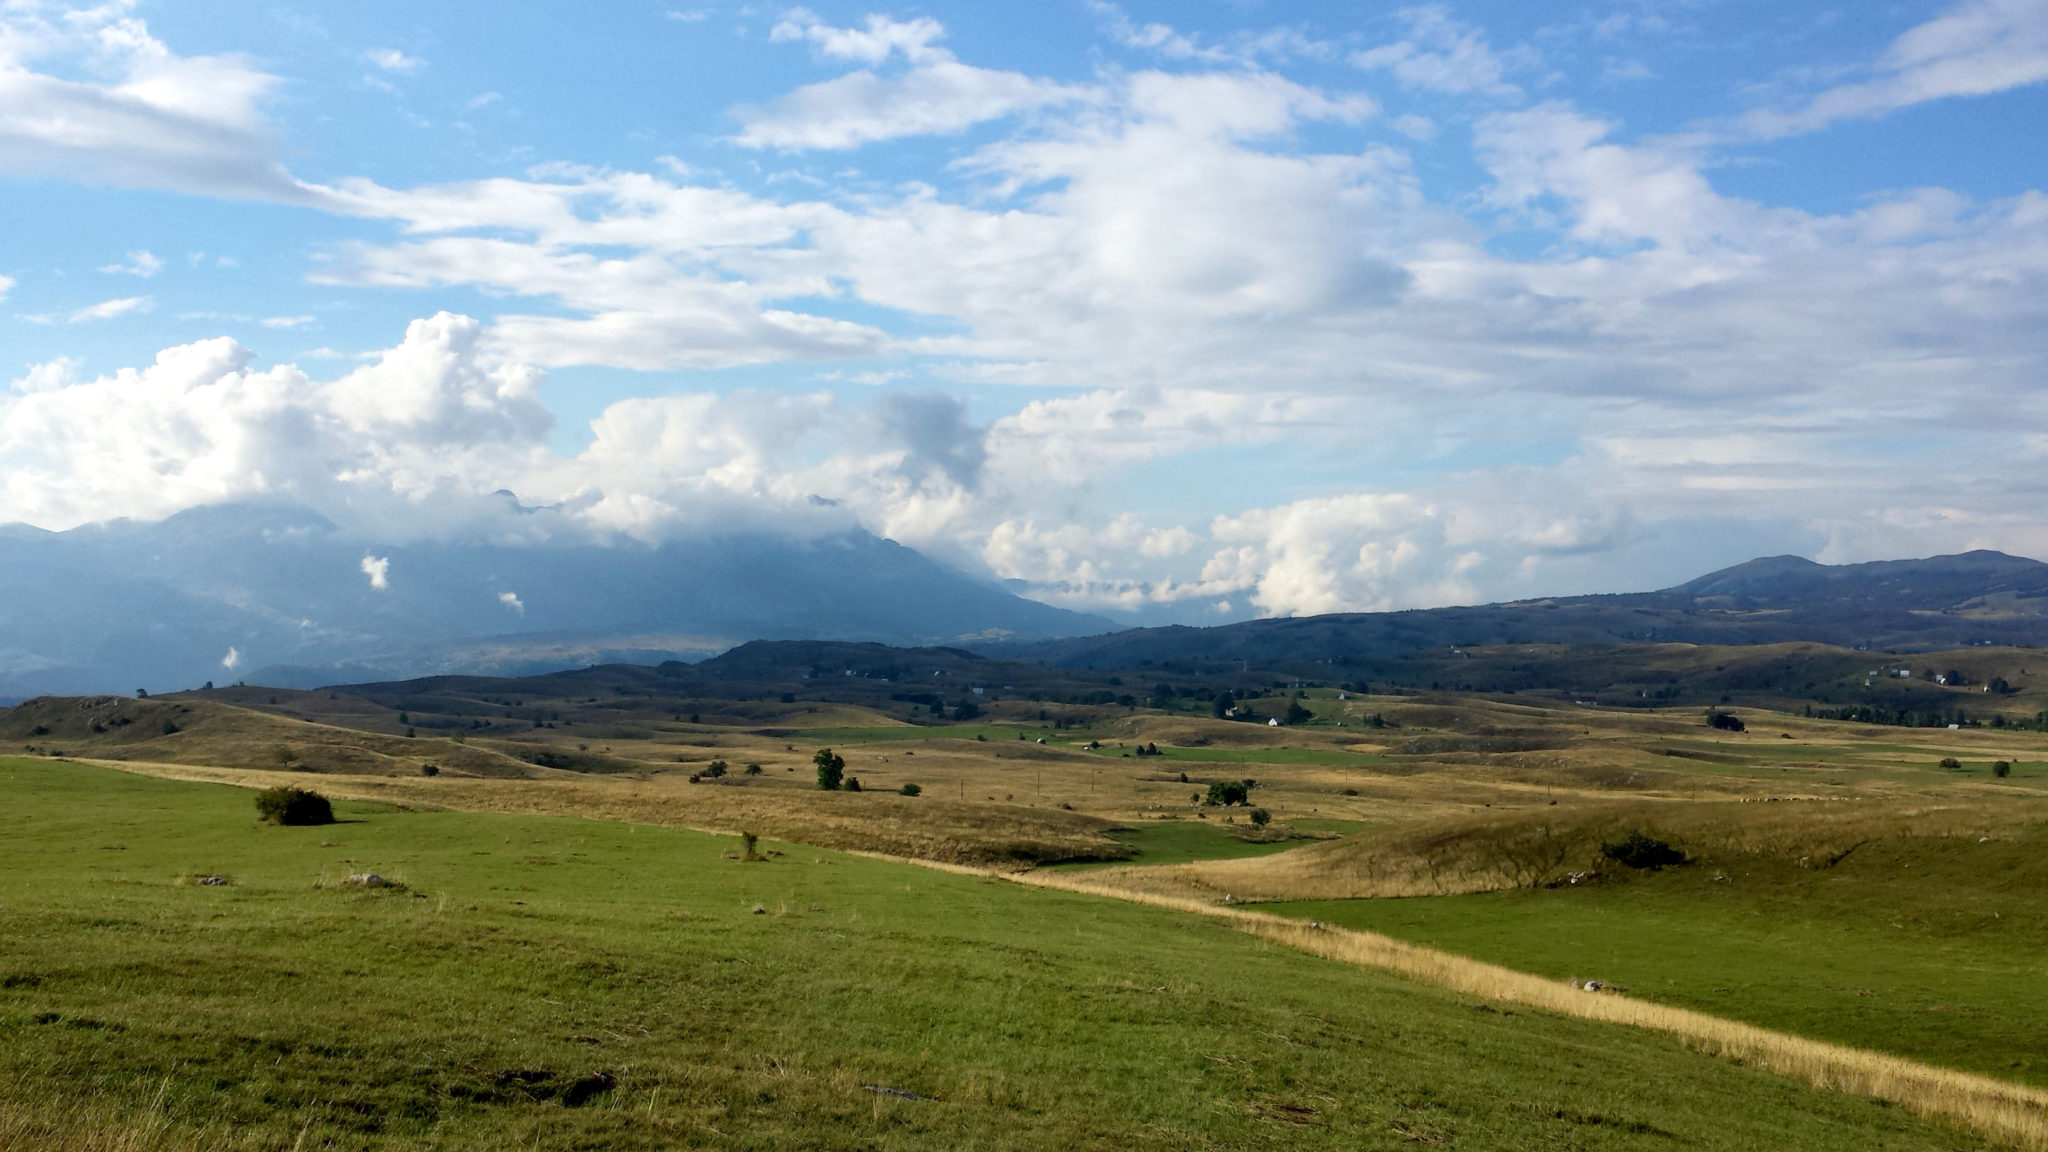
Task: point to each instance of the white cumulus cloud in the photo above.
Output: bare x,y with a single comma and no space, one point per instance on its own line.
378,569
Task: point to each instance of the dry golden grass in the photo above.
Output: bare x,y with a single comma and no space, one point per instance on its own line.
924,828
1523,848
2011,1113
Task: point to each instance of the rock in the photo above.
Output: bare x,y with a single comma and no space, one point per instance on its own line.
1593,985
367,880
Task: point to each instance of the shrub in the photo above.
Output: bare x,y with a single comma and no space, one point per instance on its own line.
1951,763
1261,817
430,769
753,769
2002,769
910,790
1296,714
1640,851
170,728
715,769
752,845
831,769
1725,721
853,783
287,805
1228,792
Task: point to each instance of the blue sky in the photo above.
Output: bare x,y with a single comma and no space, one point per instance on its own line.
1188,311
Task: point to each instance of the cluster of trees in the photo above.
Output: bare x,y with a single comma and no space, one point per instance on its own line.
1897,717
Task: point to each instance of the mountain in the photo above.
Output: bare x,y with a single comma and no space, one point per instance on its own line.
1903,605
279,595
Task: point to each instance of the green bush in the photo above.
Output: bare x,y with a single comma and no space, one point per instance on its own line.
2002,769
1228,792
1951,763
1261,817
1640,851
852,784
297,806
910,790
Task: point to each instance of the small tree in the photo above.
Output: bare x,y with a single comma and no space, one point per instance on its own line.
715,769
1296,714
297,806
2002,769
853,783
1725,721
911,790
831,769
753,769
1951,764
1261,817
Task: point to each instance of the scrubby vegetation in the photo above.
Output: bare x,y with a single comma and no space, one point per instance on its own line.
285,804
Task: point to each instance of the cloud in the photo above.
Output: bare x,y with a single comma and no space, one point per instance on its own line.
428,430
287,321
392,60
1443,54
141,263
378,569
860,107
511,601
109,309
1976,48
871,44
156,119
232,660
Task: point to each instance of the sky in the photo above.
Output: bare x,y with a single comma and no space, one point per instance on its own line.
1192,311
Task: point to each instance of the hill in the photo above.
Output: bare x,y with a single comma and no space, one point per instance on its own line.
282,596
1945,602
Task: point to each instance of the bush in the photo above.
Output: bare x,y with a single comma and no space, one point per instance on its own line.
831,769
2002,769
1725,721
1640,851
753,769
1296,714
1228,792
853,783
1261,817
430,769
1951,763
715,769
287,805
911,790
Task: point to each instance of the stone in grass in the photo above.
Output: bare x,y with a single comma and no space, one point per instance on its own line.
369,880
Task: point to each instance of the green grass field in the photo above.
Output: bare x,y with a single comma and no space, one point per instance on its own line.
563,983
1933,948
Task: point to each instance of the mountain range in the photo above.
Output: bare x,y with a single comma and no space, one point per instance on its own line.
281,596
1899,605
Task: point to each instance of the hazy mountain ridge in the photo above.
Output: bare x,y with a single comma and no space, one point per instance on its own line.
115,606
1906,605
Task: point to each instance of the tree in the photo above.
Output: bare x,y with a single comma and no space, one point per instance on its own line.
1261,817
966,710
1223,704
1725,721
2002,769
831,769
1296,714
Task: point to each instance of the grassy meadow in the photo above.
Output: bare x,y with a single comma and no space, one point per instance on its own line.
559,982
1930,947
